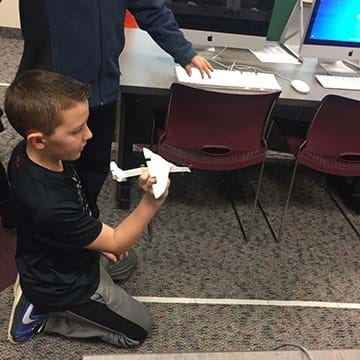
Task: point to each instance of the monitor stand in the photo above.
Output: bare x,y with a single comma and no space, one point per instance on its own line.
337,68
297,15
355,65
208,52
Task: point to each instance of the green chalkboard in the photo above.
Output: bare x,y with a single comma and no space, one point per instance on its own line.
282,11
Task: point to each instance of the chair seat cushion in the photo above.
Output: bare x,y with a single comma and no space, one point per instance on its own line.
199,160
329,165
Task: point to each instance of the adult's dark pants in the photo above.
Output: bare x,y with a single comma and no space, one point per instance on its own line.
4,186
93,165
6,215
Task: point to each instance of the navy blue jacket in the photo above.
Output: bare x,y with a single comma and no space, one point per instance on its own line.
84,38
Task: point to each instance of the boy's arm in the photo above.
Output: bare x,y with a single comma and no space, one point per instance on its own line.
119,240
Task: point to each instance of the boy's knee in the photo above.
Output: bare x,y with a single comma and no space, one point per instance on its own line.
121,270
148,323
141,319
132,258
142,329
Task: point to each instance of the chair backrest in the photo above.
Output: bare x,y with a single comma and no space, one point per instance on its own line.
199,118
335,129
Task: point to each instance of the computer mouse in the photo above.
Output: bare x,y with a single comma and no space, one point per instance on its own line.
300,86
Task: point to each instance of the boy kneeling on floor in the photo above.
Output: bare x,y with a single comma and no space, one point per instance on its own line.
67,260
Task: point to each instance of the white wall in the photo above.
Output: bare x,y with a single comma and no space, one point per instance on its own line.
9,13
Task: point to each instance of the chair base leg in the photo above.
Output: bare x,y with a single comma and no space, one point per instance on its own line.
348,191
234,209
150,231
343,213
325,186
263,212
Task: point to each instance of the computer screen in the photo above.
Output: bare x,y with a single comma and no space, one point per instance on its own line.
228,23
333,31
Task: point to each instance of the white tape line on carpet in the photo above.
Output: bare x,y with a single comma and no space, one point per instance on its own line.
246,302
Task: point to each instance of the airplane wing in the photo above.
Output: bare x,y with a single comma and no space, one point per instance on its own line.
157,166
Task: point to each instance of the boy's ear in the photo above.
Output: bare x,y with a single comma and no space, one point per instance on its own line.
37,140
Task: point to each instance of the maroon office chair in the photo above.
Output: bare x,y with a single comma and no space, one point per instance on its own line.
217,131
332,144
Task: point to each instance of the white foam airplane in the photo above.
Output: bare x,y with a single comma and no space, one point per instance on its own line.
157,166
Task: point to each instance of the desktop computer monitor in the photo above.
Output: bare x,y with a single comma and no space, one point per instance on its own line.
224,23
279,19
333,31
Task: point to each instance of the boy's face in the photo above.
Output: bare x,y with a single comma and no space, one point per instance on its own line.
69,139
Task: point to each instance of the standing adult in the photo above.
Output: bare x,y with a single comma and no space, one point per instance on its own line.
6,214
83,39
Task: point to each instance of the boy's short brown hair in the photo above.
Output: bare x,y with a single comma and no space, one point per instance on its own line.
34,100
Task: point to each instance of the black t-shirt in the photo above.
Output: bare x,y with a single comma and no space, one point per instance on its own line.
54,224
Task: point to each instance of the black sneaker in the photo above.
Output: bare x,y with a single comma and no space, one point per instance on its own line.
24,321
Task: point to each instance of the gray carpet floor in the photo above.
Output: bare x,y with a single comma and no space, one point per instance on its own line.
198,252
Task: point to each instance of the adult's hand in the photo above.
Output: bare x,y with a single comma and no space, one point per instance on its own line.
201,64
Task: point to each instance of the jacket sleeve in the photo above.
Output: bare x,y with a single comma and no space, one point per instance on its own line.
159,21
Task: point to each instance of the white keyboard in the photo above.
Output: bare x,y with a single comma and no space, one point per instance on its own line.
339,82
230,79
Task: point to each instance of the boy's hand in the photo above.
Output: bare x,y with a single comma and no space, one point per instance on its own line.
121,256
110,256
146,182
113,257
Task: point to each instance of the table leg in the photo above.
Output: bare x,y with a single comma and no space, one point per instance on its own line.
122,189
